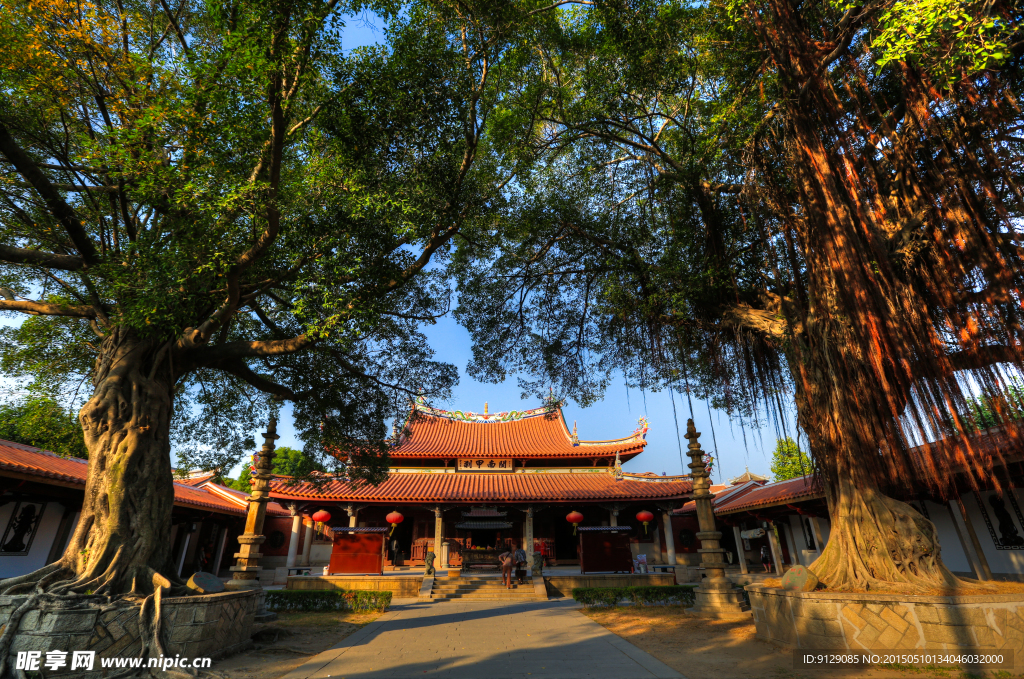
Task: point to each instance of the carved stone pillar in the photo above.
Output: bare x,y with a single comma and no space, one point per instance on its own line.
716,596
438,529
247,565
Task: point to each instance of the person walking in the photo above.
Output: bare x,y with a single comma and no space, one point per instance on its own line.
766,558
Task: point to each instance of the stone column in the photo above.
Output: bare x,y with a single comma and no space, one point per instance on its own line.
307,542
247,566
613,517
438,529
528,534
293,540
716,597
773,540
670,541
740,552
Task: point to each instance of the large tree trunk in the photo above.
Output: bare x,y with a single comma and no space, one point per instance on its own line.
876,542
121,540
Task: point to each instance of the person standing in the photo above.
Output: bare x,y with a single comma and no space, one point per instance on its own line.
766,558
505,559
519,556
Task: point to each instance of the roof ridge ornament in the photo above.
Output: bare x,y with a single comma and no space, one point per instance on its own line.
575,438
641,431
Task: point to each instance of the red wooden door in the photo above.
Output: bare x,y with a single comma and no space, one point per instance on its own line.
357,553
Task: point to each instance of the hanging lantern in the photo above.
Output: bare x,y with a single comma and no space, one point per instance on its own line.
646,517
320,518
575,518
394,518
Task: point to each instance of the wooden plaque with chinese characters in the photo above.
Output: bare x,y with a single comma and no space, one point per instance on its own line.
486,464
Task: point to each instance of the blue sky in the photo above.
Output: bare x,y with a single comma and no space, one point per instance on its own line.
614,417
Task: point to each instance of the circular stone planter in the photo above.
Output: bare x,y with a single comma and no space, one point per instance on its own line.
209,625
855,622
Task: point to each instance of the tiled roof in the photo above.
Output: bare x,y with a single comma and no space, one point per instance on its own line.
240,498
722,494
196,479
22,459
538,433
462,487
784,492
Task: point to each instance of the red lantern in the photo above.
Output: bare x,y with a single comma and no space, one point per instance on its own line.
575,518
321,517
394,518
646,517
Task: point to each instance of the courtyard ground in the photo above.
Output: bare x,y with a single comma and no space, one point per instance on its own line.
291,640
699,648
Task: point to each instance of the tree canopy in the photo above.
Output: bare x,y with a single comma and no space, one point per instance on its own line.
772,198
41,421
211,209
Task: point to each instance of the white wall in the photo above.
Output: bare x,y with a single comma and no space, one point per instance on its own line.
10,565
953,555
1000,561
804,555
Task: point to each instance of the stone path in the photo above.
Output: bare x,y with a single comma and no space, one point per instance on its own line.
484,640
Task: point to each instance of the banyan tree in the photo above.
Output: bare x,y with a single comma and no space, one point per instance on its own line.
783,197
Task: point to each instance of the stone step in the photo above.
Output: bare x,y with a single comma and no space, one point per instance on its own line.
525,596
479,588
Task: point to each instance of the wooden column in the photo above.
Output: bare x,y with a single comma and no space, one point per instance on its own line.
980,562
352,513
740,552
716,596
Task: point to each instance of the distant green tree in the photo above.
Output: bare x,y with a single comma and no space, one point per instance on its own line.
44,423
287,462
992,411
788,461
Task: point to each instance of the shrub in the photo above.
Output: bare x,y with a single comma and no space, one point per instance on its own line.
639,596
317,600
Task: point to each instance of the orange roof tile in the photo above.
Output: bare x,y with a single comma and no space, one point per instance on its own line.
784,492
195,479
463,487
241,498
537,433
21,459
722,493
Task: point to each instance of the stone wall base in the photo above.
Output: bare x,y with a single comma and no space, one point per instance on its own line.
855,622
207,626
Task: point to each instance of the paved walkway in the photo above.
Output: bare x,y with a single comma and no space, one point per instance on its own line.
484,640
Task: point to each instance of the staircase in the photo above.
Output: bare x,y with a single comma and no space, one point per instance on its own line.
472,587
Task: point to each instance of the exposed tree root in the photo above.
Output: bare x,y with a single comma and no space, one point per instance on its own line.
63,595
880,544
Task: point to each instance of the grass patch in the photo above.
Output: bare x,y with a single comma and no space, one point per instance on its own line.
325,600
635,596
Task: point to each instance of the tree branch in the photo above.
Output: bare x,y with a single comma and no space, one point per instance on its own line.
48,259
26,306
24,164
243,349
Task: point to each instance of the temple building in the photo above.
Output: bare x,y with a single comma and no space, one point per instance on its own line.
465,481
